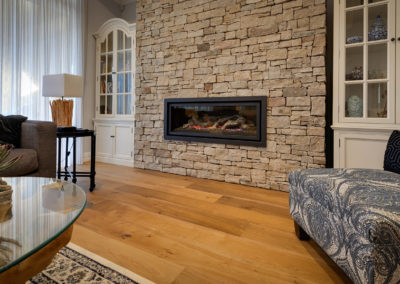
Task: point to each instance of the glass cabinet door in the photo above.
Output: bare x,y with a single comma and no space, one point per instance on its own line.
124,73
115,74
368,71
106,75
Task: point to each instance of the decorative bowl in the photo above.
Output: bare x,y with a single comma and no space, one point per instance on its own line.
354,39
5,193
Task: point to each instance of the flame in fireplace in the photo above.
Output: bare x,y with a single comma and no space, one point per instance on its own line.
199,127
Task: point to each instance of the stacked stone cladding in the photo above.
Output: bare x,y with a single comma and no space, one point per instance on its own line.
218,48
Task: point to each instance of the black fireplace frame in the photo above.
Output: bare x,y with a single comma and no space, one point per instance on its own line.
260,141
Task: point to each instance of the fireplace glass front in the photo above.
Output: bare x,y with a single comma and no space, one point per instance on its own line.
229,120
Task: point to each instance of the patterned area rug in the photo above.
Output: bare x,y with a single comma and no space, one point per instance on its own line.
73,264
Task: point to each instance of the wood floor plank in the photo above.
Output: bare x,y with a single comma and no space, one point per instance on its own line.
244,251
257,206
163,246
197,231
145,264
240,191
233,212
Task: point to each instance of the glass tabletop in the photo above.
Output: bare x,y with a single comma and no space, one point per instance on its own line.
41,209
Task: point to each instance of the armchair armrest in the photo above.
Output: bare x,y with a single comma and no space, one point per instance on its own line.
41,136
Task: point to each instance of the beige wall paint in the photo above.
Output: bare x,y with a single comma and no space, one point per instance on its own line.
129,13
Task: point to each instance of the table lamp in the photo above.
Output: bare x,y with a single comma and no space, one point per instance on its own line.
62,85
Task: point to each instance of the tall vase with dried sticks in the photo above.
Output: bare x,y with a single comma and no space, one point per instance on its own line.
61,112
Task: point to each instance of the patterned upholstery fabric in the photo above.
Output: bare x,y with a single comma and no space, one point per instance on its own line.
392,153
354,215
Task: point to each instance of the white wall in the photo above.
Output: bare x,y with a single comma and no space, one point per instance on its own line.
98,12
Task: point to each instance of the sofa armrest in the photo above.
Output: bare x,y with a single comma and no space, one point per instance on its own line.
41,136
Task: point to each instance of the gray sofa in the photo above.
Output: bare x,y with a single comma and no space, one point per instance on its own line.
354,216
38,150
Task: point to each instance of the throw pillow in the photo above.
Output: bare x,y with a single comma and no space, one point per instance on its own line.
10,129
392,153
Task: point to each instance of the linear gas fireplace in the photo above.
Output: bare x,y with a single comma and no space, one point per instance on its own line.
229,120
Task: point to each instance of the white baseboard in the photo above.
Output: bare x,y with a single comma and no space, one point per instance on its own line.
86,157
128,163
109,160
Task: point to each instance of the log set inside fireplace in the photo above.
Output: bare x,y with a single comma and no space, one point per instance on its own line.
231,120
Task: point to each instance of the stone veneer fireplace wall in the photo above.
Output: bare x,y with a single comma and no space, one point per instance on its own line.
227,48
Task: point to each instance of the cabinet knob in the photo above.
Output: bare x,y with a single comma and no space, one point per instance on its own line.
112,136
393,39
398,38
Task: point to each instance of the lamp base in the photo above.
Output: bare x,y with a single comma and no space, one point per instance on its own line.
61,112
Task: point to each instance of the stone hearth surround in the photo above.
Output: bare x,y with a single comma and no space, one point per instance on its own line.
215,48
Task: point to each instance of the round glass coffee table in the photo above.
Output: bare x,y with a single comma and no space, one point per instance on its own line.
36,225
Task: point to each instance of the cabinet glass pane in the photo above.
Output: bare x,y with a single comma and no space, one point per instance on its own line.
352,3
109,63
102,84
354,26
120,85
127,82
377,61
354,63
102,104
354,100
120,104
377,99
120,61
127,61
374,1
109,84
120,36
110,42
377,22
109,104
128,104
103,64
127,42
103,46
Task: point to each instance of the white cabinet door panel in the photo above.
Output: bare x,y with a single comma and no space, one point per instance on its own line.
123,142
362,150
104,140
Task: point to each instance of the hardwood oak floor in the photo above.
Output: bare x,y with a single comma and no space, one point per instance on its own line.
174,229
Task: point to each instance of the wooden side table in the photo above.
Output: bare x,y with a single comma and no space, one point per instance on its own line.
74,174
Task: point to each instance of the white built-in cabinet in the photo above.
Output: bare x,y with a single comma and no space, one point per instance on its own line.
115,92
366,80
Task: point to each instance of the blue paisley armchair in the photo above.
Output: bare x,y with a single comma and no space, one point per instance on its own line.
354,216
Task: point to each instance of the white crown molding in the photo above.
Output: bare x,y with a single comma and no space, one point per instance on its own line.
115,23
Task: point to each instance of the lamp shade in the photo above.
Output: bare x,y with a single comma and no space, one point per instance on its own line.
62,85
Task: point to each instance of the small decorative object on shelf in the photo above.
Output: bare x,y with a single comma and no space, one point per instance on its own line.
378,30
354,106
356,74
354,39
382,113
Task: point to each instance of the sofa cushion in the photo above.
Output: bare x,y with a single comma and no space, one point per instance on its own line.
10,129
368,199
392,153
27,164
